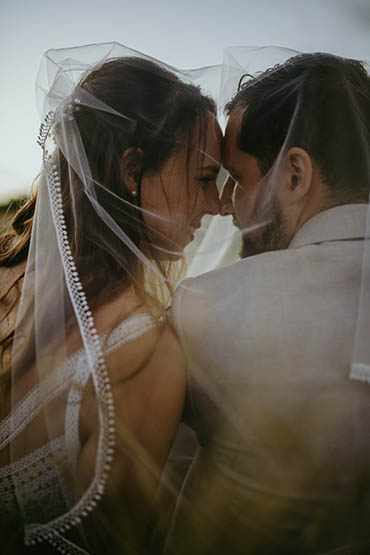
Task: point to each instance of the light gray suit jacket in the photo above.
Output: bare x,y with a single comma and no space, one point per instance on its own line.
284,432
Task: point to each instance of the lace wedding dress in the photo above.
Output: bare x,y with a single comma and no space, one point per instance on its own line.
36,477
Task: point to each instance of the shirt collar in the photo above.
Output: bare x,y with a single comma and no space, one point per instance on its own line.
341,222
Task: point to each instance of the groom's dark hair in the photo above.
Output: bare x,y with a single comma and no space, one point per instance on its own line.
318,102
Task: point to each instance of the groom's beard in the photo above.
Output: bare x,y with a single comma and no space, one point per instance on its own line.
271,236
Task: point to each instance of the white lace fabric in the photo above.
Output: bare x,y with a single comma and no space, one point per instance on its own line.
37,475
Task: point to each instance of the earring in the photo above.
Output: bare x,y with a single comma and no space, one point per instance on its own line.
134,194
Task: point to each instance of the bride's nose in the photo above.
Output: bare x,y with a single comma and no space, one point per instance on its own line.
226,205
212,202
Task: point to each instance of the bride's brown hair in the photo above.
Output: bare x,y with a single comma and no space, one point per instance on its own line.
167,114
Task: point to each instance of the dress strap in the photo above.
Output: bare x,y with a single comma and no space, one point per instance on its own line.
74,369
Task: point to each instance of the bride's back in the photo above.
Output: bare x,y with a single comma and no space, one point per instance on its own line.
146,367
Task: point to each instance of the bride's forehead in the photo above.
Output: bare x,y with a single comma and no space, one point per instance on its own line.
214,139
203,148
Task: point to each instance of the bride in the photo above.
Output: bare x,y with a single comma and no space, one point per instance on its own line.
92,380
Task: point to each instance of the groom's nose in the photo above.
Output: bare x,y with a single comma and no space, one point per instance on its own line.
226,205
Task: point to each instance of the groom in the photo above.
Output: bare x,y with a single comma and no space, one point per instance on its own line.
284,462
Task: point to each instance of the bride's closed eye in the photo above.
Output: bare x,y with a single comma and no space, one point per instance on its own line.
206,180
207,174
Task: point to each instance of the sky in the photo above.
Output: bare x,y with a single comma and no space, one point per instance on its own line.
186,34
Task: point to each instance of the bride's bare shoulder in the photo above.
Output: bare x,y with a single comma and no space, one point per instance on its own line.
141,340
148,384
168,352
153,352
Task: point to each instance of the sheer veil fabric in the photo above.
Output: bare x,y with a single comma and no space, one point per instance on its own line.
93,242
96,243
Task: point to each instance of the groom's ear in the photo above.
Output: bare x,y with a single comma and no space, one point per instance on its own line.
131,167
296,174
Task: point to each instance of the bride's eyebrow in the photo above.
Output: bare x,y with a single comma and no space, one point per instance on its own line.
229,169
211,168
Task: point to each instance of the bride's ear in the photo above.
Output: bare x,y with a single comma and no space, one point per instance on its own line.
131,167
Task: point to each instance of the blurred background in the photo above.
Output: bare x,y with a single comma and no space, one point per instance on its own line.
186,34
